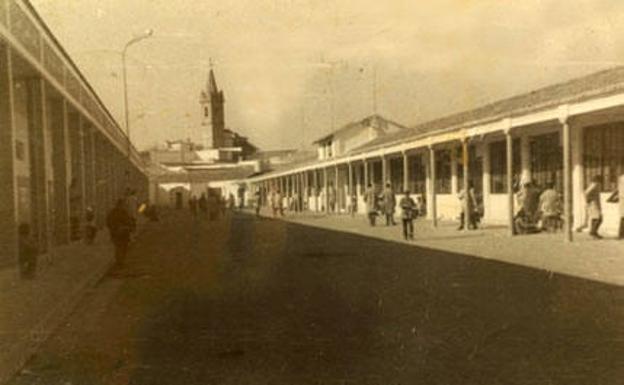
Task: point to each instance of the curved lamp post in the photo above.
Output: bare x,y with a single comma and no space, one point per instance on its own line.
134,40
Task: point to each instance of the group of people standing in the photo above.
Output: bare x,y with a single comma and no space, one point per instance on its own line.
209,205
385,204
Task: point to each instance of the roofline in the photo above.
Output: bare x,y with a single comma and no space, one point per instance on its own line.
60,47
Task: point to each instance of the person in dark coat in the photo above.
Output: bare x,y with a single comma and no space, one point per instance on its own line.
27,252
408,207
203,205
389,204
119,225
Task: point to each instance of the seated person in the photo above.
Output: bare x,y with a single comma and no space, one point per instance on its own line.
550,208
525,220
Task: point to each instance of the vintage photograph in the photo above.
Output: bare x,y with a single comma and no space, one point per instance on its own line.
314,192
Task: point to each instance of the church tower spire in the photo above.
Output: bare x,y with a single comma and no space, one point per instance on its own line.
213,119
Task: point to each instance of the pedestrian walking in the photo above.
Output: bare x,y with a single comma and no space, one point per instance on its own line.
258,202
594,208
331,198
408,207
389,204
202,204
90,228
370,198
276,204
119,225
27,252
353,205
472,204
132,206
193,205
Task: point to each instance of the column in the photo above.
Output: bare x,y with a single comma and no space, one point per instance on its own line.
465,158
432,187
315,183
578,199
350,182
41,214
385,175
525,157
326,195
337,196
405,172
454,183
567,178
366,176
509,164
8,197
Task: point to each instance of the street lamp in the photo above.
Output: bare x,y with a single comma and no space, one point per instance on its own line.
132,41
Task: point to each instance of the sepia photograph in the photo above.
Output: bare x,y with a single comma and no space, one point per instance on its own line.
311,192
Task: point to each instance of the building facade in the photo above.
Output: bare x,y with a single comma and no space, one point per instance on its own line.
565,134
60,148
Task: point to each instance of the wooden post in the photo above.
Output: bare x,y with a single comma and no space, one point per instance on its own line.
385,175
510,194
336,200
465,158
325,188
567,175
405,173
434,208
315,182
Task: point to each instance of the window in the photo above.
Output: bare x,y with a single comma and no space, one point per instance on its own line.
417,174
498,165
547,160
603,154
206,112
329,149
443,171
396,174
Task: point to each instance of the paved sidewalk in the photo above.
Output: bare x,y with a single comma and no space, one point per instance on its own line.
601,260
31,309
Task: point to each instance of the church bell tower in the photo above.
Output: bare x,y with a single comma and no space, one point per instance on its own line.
213,121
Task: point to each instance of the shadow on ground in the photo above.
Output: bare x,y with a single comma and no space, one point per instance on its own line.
260,301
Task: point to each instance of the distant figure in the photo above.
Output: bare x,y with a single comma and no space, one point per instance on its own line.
550,208
241,197
231,201
90,228
353,204
525,221
276,203
472,204
202,204
27,252
257,202
594,209
389,204
213,206
193,205
119,225
132,206
408,207
331,198
370,198
151,212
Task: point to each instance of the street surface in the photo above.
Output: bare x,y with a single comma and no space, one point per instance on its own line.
260,301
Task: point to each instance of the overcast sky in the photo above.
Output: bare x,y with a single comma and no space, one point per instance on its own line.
281,63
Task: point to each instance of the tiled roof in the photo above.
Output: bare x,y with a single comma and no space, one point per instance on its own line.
209,175
359,123
600,83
